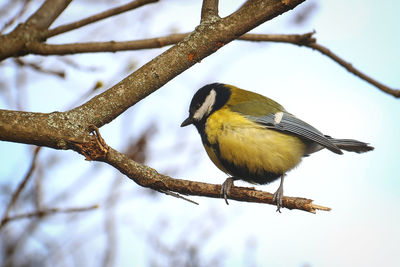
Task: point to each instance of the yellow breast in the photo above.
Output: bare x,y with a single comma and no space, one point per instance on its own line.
246,144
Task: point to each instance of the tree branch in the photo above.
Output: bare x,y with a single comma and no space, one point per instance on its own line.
348,66
150,178
45,212
47,13
209,10
112,46
14,43
297,39
38,68
309,41
158,42
100,16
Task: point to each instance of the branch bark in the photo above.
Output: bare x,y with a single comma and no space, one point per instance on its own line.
111,46
209,10
48,13
158,42
150,178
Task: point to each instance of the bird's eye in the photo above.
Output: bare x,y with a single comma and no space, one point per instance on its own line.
197,106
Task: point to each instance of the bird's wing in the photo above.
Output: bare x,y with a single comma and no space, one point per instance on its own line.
286,122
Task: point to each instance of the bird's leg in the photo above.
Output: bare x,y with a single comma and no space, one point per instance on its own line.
226,187
279,194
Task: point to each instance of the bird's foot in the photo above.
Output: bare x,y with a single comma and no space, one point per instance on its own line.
278,198
226,187
278,195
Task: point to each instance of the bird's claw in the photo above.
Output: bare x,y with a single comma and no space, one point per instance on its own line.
225,188
278,199
278,195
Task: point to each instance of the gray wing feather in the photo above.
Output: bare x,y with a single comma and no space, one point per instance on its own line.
289,123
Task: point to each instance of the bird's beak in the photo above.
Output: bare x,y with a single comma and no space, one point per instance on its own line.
187,122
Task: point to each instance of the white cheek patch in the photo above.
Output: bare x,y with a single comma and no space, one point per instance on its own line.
206,107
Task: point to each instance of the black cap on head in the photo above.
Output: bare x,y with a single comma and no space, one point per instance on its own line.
205,101
222,95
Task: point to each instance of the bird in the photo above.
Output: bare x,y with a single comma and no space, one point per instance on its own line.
253,138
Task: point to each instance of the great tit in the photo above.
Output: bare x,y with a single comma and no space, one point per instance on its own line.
253,138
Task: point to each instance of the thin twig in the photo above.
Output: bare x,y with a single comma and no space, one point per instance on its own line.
297,39
111,46
158,42
97,17
178,196
38,68
46,212
20,187
308,40
348,66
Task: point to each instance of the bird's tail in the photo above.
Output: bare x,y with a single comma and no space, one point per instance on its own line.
351,145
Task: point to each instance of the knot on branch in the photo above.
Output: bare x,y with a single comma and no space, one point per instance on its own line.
95,148
305,39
